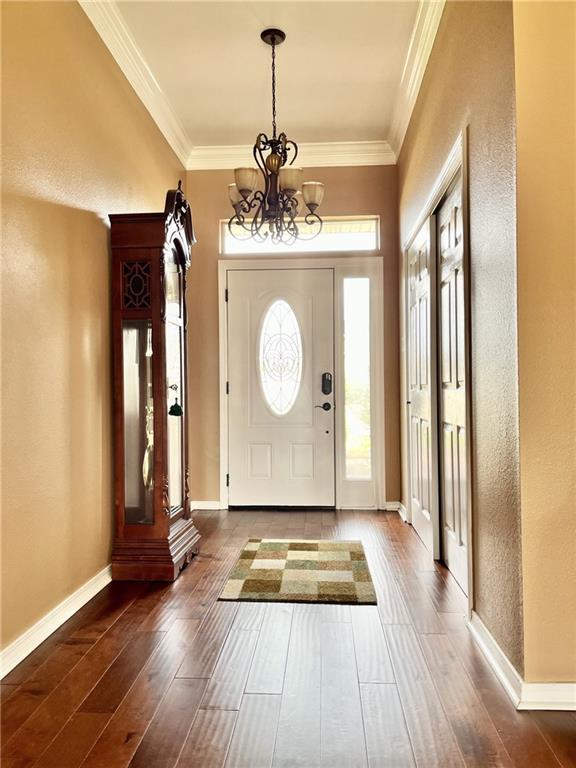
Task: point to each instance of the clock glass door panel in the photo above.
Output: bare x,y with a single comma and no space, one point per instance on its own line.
138,422
175,406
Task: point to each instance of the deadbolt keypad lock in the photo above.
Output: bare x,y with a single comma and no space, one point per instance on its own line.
326,384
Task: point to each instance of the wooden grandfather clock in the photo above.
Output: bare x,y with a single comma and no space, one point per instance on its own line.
155,536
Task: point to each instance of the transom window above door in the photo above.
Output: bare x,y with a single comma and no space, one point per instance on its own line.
352,234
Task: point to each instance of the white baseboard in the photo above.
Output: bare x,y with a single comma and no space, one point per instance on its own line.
396,506
202,505
522,694
14,653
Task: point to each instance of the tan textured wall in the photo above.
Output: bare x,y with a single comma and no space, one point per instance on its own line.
545,45
77,144
354,191
470,81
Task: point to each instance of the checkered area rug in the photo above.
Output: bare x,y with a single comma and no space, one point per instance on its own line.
301,571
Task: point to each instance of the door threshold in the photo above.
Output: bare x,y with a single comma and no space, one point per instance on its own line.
277,507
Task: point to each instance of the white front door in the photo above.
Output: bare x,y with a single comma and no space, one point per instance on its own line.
281,389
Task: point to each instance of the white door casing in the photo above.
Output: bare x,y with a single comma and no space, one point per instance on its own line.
280,343
452,385
422,403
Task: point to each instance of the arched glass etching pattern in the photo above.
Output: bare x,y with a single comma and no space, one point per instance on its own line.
280,357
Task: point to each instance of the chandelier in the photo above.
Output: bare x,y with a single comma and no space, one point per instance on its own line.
272,211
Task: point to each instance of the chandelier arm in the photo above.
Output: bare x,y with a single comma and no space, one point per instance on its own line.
262,144
287,228
234,222
259,217
238,220
290,143
313,220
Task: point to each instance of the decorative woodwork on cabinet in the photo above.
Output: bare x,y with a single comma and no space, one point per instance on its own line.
154,536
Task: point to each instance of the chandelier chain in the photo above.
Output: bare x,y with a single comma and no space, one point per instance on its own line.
273,87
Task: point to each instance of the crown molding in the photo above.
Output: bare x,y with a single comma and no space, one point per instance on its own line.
423,35
110,25
314,155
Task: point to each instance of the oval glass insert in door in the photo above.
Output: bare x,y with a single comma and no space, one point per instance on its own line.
280,357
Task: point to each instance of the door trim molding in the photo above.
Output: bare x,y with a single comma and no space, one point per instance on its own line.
454,161
373,266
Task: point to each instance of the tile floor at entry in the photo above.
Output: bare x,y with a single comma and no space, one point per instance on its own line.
164,675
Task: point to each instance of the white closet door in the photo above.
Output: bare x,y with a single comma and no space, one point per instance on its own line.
421,371
452,389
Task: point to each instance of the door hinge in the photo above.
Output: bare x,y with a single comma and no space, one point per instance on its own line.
227,481
227,387
226,294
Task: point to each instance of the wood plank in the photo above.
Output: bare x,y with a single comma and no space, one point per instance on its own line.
559,730
30,695
342,729
387,739
203,653
421,608
475,733
334,613
74,741
372,657
298,736
208,740
6,690
47,719
518,731
255,732
227,683
269,662
119,740
430,733
106,603
391,606
249,616
168,730
115,684
210,586
444,592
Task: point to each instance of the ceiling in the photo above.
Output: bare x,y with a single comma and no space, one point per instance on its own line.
344,75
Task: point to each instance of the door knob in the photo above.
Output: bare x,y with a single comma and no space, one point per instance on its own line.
324,406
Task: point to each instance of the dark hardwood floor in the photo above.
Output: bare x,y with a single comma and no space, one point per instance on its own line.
164,676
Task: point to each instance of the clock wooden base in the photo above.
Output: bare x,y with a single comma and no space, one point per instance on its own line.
155,559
